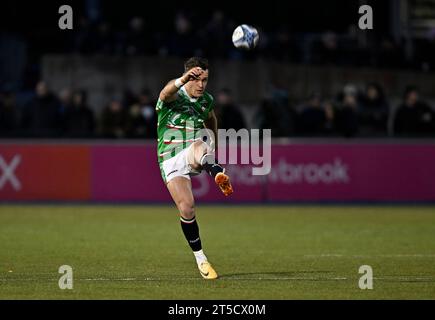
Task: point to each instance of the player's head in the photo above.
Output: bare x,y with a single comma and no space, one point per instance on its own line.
196,88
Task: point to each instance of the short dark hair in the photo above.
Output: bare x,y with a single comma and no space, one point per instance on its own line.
196,62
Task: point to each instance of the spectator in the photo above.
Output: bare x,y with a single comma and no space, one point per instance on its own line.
135,123
83,39
330,112
373,110
65,97
148,112
282,46
413,117
113,122
42,116
128,97
326,51
104,41
229,115
79,118
276,113
215,36
314,119
347,112
389,55
8,115
65,103
183,42
138,41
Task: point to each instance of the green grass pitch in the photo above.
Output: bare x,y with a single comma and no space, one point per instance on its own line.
260,252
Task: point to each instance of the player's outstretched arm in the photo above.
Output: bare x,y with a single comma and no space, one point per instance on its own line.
169,92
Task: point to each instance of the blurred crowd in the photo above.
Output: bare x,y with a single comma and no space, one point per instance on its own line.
353,112
189,35
102,29
107,30
67,114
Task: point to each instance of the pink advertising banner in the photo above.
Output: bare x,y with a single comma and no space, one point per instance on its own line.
299,172
346,172
126,173
131,173
311,172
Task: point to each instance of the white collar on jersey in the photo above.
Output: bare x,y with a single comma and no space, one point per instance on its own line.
190,98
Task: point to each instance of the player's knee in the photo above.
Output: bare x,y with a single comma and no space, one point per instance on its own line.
200,147
187,209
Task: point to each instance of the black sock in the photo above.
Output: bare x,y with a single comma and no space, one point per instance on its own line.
210,165
191,232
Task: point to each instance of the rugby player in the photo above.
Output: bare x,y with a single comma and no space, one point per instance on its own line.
184,109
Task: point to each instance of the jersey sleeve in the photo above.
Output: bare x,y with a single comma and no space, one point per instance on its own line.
161,104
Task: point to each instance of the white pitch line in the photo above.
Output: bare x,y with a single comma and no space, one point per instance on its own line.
387,278
222,278
189,279
333,255
405,278
323,256
408,255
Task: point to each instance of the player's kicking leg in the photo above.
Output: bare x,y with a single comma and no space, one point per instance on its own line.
180,189
202,158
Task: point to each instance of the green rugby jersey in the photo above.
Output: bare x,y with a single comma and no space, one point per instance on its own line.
178,122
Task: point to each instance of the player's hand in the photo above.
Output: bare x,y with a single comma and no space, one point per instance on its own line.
192,74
